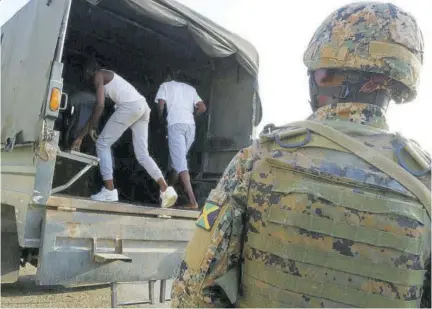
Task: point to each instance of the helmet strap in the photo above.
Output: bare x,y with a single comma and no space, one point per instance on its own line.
348,91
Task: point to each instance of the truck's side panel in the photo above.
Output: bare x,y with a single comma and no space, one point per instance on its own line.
10,253
28,45
85,246
231,114
17,181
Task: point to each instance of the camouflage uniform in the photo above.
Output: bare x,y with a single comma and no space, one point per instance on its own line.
298,221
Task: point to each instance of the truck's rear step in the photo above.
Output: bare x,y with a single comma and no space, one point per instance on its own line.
78,203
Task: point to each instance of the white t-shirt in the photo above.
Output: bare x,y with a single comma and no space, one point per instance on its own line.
120,91
180,99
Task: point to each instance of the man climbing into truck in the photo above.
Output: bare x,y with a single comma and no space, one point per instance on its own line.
132,111
181,100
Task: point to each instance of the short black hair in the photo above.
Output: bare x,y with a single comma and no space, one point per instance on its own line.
92,65
178,75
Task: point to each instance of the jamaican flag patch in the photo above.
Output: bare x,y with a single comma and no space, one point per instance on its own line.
208,216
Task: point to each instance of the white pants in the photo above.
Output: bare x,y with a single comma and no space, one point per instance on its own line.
134,115
180,139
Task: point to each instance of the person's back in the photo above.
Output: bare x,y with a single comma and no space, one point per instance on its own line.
327,229
333,211
180,100
85,102
323,227
120,90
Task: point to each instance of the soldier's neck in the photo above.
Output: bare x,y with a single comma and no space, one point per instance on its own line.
362,113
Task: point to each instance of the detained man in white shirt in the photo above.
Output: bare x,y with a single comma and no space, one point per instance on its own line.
132,111
182,100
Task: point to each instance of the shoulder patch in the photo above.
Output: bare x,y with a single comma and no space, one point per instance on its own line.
208,216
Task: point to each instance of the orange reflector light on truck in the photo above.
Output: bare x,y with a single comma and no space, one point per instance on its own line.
55,99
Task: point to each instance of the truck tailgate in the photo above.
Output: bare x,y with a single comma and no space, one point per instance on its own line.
84,241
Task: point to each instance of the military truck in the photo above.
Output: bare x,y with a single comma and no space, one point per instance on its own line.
46,217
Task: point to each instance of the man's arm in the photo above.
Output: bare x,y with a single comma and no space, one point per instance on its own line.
161,99
161,106
200,108
199,105
99,106
215,248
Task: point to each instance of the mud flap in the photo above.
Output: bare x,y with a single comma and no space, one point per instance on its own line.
92,247
10,251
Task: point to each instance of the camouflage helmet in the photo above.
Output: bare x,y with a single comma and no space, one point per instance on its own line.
372,37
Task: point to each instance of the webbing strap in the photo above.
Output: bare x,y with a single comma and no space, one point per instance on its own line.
252,298
374,158
336,261
316,141
344,230
263,275
348,198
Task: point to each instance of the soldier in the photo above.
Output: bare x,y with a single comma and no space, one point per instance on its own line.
333,211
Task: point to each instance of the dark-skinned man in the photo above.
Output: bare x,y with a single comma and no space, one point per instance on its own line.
181,100
132,111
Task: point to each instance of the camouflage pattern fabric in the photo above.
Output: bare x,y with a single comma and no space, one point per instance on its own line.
369,114
212,253
314,225
373,37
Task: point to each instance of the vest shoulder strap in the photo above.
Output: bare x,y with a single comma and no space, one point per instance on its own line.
373,157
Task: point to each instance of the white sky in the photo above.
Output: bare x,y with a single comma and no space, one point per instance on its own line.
8,8
281,30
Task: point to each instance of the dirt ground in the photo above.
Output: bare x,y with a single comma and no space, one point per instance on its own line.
26,294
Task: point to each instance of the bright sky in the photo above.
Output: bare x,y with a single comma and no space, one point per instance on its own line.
281,30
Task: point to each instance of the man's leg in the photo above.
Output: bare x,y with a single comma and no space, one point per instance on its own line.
186,183
173,177
185,176
172,173
140,143
122,118
177,141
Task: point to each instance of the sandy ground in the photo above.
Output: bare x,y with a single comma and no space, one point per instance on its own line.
26,294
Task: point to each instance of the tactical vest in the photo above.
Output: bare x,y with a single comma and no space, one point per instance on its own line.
327,229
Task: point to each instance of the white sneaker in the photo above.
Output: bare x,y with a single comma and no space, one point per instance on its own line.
169,197
105,195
